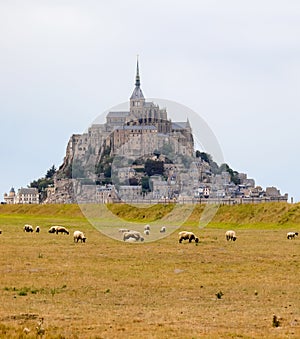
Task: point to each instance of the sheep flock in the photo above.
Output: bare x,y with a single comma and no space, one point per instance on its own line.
134,236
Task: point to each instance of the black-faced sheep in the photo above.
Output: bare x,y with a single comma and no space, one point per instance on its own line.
78,235
52,229
132,236
163,229
0,231
61,229
292,235
28,228
147,228
185,235
230,235
37,229
146,232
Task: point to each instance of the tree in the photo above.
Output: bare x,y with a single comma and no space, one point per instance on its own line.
50,173
145,184
204,156
42,183
153,167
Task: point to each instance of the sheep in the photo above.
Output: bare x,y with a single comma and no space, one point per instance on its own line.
37,229
292,235
129,236
163,229
52,229
230,235
146,232
185,235
28,228
0,231
61,229
147,228
78,235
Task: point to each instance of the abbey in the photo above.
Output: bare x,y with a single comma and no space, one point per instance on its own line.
142,130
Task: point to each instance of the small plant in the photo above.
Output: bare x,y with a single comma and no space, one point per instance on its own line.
275,321
40,331
40,255
219,294
22,293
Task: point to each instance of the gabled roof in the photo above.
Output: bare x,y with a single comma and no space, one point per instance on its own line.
28,191
120,114
180,125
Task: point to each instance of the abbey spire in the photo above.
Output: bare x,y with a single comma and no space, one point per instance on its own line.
137,77
137,99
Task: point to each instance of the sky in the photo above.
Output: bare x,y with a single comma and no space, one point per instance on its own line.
235,63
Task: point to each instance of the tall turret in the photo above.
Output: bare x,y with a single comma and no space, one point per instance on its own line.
137,99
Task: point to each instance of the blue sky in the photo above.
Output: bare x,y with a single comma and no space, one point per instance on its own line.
235,63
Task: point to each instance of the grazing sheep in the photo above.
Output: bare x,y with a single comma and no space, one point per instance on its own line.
129,236
147,228
146,232
52,229
163,229
131,240
61,229
78,235
37,229
28,228
185,235
0,231
230,235
292,235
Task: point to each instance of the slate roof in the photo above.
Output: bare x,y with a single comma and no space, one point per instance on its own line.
117,114
28,191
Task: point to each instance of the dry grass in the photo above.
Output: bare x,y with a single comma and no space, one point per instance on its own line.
109,289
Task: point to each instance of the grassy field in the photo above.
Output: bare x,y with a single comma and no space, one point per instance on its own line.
109,289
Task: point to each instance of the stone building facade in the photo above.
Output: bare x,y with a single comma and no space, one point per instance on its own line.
23,196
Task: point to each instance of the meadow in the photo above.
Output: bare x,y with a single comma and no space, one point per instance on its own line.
106,288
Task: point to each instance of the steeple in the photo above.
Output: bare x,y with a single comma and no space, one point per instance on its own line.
137,77
137,99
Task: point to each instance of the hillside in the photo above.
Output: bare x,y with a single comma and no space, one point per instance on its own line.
263,215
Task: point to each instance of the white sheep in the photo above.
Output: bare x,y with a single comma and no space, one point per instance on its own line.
132,234
163,229
78,235
146,232
185,235
230,235
292,235
147,227
37,229
28,228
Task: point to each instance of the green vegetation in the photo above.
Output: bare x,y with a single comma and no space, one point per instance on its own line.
153,167
260,216
44,182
